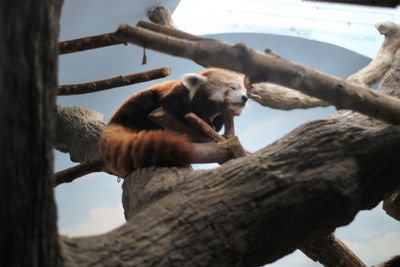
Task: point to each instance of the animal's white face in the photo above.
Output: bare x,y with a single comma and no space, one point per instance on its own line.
225,87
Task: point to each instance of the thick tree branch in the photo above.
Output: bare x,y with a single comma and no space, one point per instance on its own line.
375,70
331,252
320,181
77,132
391,205
167,30
260,67
242,214
123,80
28,82
280,97
392,262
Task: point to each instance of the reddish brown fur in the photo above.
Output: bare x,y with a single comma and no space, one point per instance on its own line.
132,141
123,150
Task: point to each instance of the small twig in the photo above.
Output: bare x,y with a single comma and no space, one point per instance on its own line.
70,174
168,121
86,43
90,87
204,127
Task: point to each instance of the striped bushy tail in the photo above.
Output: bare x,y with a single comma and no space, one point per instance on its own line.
124,150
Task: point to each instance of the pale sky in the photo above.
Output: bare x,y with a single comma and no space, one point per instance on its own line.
92,204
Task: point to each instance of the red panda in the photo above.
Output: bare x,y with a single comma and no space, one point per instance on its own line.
132,141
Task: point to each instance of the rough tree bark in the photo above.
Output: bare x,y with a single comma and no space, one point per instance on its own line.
28,83
241,214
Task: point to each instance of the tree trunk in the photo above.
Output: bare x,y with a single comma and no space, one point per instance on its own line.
28,83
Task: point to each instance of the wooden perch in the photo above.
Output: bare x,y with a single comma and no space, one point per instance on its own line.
260,67
375,70
123,80
70,174
86,43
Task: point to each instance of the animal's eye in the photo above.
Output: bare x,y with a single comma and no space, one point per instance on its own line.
232,87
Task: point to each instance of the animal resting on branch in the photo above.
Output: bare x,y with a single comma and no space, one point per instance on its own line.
248,190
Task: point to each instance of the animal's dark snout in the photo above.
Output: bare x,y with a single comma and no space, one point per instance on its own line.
244,98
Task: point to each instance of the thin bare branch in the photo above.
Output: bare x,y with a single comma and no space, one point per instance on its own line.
70,174
260,67
204,127
86,43
123,80
167,121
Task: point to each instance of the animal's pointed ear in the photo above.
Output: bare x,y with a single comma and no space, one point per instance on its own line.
192,81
